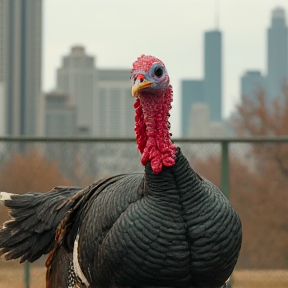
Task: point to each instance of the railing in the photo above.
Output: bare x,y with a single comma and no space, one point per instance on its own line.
108,156
224,142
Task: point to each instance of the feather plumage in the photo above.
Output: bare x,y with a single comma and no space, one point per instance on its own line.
166,227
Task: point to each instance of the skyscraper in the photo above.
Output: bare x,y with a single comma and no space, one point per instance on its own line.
207,90
252,82
78,77
103,101
192,93
277,53
60,115
20,64
113,109
200,124
213,74
199,120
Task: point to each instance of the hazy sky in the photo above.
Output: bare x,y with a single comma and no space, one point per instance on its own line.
117,32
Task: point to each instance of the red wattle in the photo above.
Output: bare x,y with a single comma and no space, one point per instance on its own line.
152,130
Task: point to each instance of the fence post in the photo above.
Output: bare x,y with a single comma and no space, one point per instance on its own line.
225,179
27,274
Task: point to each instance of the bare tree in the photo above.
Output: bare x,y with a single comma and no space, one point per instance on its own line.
258,181
30,172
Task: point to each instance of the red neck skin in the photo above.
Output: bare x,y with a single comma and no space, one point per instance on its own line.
152,129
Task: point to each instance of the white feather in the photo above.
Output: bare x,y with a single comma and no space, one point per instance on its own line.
5,196
76,264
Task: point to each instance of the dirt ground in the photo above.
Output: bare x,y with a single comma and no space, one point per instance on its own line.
12,276
260,279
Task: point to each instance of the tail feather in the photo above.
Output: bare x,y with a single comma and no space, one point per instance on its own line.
57,273
35,218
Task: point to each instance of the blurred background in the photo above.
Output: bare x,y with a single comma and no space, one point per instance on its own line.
67,117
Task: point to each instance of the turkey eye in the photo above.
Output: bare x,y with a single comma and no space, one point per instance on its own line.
158,72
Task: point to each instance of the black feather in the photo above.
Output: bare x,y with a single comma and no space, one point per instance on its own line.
35,218
134,230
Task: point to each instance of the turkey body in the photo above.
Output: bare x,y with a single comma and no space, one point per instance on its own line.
167,227
170,229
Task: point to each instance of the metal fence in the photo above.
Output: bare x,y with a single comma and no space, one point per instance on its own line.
250,172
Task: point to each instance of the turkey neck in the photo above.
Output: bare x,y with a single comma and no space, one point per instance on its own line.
152,129
175,183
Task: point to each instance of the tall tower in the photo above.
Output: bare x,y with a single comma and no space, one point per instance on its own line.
60,115
192,93
252,83
78,77
277,53
208,90
213,74
20,64
113,110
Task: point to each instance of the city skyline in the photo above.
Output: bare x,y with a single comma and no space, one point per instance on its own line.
77,76
207,90
179,45
100,97
25,106
277,62
254,81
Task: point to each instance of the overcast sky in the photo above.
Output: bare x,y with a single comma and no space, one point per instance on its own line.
117,32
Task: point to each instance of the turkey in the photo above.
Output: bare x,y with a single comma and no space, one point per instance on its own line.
167,227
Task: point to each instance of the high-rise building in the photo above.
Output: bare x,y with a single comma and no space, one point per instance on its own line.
277,53
201,125
192,92
213,74
103,101
113,109
208,90
252,82
60,115
60,121
78,78
20,65
199,120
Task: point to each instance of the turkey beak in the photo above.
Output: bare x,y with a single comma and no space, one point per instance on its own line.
140,83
